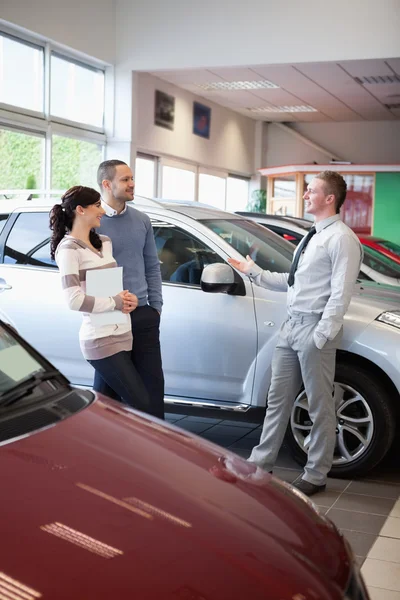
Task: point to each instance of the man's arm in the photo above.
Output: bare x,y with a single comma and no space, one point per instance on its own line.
278,282
152,270
346,256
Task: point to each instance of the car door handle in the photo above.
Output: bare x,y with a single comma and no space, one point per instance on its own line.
4,285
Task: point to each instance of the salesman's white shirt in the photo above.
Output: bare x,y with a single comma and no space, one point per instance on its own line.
325,277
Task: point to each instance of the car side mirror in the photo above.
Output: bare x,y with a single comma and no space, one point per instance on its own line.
220,278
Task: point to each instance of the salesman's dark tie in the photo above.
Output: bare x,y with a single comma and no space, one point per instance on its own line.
302,247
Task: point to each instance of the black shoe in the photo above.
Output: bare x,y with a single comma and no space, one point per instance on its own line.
309,489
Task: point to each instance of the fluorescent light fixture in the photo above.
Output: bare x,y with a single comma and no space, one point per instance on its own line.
378,79
283,109
229,86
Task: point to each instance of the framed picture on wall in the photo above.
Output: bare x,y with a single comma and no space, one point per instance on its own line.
164,111
201,120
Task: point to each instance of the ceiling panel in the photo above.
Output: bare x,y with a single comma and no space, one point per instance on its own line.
237,74
241,97
278,97
394,63
383,91
188,76
328,87
295,82
366,68
339,83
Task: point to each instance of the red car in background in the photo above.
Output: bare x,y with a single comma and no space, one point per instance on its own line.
388,249
99,502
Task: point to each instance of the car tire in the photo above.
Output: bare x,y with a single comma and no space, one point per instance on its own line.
374,407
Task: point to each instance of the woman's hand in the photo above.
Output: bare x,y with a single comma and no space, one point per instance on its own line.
244,266
130,301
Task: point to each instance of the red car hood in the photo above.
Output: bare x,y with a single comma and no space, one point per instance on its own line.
109,505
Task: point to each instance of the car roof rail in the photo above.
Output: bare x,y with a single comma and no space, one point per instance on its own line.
27,195
30,194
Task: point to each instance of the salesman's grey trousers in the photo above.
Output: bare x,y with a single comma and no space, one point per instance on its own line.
297,359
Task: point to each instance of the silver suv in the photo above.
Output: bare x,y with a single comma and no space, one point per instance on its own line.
218,330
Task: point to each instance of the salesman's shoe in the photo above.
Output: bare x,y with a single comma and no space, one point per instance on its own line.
309,489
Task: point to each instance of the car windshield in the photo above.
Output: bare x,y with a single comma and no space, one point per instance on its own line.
395,248
267,249
16,364
379,262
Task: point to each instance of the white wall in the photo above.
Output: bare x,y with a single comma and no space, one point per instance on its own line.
232,136
357,142
87,26
177,34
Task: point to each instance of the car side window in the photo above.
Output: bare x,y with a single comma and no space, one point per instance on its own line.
28,242
288,235
182,256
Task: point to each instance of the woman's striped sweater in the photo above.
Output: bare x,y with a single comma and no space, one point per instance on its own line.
74,259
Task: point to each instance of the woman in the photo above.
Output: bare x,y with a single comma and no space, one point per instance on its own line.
77,249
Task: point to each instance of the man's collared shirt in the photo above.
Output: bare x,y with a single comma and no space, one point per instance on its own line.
111,212
324,279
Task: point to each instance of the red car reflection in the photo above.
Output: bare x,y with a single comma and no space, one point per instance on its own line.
385,247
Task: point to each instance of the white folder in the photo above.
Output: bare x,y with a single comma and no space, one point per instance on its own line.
103,283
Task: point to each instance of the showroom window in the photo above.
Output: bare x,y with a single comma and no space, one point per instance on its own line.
177,183
145,176
29,241
21,74
212,190
51,116
76,92
237,193
74,162
22,157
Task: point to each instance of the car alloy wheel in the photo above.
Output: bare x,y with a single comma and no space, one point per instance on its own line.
354,423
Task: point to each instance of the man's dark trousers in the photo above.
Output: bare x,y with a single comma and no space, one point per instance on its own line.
146,358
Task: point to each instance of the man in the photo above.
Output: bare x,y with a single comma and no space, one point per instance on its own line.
320,284
135,250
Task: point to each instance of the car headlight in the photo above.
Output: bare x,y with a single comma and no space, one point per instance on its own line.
390,317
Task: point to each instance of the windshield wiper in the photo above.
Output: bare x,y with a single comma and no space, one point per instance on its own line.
26,387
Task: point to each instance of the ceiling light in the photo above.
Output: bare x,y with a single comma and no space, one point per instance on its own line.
283,109
378,79
230,86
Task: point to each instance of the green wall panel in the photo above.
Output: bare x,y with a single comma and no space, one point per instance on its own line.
387,206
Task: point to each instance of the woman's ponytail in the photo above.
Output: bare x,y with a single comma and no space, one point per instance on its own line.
59,227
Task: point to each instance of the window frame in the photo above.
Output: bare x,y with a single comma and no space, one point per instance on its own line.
42,123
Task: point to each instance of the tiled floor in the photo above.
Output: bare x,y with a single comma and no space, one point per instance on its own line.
367,511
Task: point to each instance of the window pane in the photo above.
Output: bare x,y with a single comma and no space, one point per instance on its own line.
29,241
284,187
144,177
237,194
212,190
265,248
381,263
21,160
177,184
74,162
182,256
21,74
77,92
